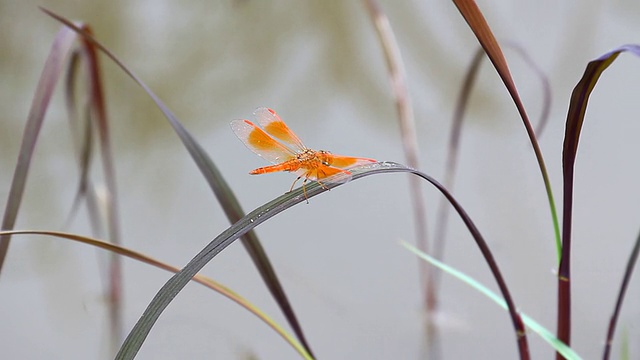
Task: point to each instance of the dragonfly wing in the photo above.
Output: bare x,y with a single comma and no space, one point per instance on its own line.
274,126
260,142
346,162
325,174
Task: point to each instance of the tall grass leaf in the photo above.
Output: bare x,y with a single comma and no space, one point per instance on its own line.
201,279
216,182
545,111
83,149
476,21
451,162
631,263
98,114
442,218
545,334
575,119
90,114
48,78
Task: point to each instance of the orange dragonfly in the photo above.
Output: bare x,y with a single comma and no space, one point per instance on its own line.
276,143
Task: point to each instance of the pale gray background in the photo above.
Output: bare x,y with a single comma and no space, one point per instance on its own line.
319,64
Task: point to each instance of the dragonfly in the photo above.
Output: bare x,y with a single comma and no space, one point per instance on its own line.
275,142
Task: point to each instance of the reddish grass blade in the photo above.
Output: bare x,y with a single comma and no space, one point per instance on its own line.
97,110
284,202
480,28
575,120
476,21
633,259
217,183
545,109
84,150
456,132
52,69
442,217
54,65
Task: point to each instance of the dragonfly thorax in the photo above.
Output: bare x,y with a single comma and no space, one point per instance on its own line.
314,158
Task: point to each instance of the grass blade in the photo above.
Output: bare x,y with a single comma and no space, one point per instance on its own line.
203,280
48,78
545,334
573,127
543,119
216,182
171,288
451,162
471,13
631,263
397,77
98,114
83,149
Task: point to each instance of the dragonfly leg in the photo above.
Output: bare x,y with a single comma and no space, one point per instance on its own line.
304,190
294,183
322,185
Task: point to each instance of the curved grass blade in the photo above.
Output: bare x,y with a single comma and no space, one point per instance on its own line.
543,119
84,149
471,13
201,279
442,218
60,50
98,113
545,334
53,67
575,120
171,288
94,111
633,259
218,185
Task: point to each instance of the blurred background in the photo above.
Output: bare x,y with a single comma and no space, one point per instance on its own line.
320,65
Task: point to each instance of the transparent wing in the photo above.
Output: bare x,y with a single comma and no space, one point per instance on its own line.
260,142
336,173
346,162
274,126
325,174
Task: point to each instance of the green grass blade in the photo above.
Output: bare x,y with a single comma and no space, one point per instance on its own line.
547,335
